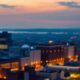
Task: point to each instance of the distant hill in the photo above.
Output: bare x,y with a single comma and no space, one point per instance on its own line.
42,30
44,35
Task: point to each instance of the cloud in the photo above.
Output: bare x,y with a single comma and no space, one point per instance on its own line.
70,4
6,6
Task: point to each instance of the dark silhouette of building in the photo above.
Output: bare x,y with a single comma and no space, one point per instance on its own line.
5,40
10,75
30,73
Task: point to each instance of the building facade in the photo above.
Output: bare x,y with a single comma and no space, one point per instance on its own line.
52,53
5,40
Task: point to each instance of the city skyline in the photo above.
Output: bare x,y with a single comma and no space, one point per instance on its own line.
39,14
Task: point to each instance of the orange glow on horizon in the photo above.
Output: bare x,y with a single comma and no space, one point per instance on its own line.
32,2
34,9
33,5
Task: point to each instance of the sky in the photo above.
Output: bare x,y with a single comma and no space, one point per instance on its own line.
23,14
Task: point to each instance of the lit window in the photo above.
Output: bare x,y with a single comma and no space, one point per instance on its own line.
3,46
15,64
6,65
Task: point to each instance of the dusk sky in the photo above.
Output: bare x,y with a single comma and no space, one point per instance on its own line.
23,14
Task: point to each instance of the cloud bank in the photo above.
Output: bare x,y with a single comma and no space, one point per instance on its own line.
70,4
6,6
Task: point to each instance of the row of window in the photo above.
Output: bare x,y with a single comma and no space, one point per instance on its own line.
10,65
53,51
3,46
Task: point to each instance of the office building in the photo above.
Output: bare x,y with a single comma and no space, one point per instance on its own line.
72,52
53,53
5,40
35,58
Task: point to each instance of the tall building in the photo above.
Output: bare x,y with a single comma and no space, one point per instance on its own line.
35,59
72,52
53,53
35,56
5,40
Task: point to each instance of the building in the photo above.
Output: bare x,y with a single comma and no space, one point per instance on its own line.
48,74
7,74
35,58
52,53
79,57
15,60
78,52
13,64
25,50
31,56
29,73
5,40
7,66
73,74
72,52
